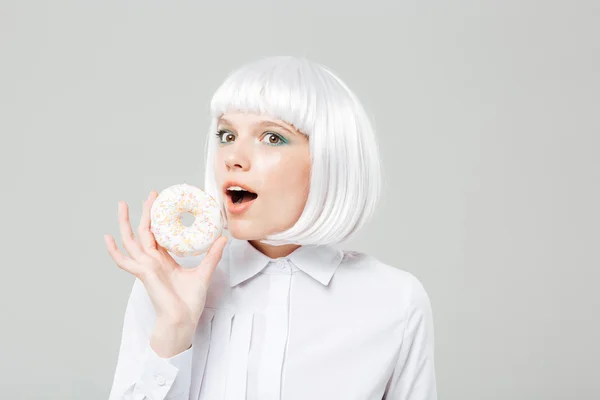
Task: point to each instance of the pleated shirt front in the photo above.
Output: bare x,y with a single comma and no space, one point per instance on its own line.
321,323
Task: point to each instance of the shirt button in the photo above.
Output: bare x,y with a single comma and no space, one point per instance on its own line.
160,380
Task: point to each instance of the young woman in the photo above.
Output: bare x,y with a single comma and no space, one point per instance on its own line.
276,311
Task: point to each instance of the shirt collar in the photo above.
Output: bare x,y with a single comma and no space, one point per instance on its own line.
318,261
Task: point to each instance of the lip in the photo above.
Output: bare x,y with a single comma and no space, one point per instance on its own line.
231,206
234,183
238,208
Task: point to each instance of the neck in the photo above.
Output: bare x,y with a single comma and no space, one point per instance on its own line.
274,251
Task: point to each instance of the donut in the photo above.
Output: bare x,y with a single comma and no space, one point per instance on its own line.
170,233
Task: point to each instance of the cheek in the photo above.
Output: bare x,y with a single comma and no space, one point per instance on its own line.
293,195
287,178
270,170
218,165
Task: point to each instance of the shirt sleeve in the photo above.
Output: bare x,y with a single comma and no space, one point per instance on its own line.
413,377
140,372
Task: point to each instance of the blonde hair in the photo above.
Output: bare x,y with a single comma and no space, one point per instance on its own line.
345,181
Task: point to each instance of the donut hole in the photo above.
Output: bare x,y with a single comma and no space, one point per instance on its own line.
187,219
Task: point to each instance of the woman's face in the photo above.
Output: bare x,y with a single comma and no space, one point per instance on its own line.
269,158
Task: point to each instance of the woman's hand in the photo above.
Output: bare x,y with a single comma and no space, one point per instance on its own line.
178,294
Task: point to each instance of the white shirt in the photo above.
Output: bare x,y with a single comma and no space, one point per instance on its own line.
319,324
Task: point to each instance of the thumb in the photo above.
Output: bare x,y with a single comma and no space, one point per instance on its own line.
211,260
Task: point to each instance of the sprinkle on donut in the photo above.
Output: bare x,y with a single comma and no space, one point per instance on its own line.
165,220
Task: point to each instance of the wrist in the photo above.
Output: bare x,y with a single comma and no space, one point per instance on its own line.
169,339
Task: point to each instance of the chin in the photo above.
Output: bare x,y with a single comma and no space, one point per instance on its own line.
244,230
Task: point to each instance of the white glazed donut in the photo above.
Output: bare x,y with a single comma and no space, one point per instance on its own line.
170,233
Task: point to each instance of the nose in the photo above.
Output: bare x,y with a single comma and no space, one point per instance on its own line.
237,158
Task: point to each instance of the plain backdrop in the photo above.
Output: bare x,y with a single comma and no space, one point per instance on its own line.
487,114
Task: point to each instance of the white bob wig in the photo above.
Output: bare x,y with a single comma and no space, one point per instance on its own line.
345,177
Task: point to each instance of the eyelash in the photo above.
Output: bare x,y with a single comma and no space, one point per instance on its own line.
282,140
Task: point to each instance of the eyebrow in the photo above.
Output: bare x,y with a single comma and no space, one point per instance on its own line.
262,123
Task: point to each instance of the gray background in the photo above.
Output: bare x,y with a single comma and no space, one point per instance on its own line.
487,116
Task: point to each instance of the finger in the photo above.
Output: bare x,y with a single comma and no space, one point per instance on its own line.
211,260
147,240
166,254
127,237
121,260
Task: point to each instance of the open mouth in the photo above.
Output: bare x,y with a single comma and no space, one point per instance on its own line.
241,196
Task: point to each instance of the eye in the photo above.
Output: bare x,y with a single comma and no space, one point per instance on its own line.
228,136
275,139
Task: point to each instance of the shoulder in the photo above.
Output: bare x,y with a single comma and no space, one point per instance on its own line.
375,270
381,280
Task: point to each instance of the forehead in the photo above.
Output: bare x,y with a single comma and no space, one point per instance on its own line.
239,119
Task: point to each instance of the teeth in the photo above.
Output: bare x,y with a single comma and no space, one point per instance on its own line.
235,188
